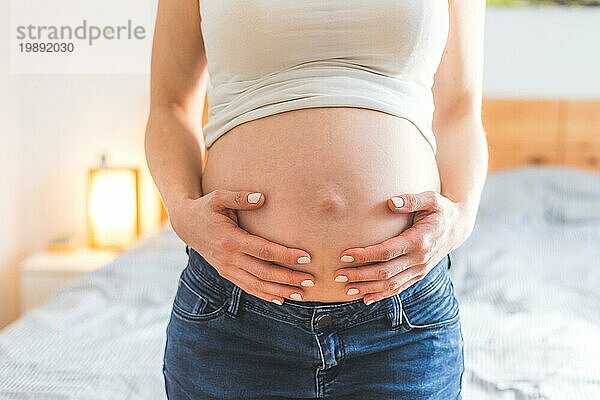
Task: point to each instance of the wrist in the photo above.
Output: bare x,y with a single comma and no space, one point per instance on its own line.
177,205
467,216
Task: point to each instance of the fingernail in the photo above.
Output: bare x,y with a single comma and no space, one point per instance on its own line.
370,302
347,258
352,291
307,282
277,301
398,201
253,198
296,296
341,278
304,260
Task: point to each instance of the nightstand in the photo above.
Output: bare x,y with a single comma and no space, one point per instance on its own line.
44,272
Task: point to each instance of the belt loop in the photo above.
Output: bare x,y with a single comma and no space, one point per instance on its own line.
187,249
450,255
234,303
395,314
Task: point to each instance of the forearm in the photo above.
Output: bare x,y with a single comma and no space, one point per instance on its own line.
174,152
462,159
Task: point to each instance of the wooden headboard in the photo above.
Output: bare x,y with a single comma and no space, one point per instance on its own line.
551,132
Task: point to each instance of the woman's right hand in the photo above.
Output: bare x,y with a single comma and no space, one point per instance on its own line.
209,225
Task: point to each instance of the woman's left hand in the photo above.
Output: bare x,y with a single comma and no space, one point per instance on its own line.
440,225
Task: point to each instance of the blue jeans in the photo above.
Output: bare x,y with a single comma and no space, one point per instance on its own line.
223,343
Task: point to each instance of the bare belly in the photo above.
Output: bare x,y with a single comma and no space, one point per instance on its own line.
326,174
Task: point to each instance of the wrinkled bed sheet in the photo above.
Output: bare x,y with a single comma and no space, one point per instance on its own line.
100,337
528,284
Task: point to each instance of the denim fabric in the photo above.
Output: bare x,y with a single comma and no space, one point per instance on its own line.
223,343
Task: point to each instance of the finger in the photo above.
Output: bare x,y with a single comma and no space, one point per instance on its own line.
237,200
264,249
391,285
266,290
379,271
370,298
275,273
251,290
374,272
407,203
380,252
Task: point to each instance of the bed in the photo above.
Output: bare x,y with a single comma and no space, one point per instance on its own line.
527,280
528,283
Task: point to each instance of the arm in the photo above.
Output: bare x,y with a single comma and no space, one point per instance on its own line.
462,155
175,152
174,143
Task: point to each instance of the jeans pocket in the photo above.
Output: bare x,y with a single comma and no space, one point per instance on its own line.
433,306
197,299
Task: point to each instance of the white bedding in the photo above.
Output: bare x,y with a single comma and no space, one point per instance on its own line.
100,337
528,282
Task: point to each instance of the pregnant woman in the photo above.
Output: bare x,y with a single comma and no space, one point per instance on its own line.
322,198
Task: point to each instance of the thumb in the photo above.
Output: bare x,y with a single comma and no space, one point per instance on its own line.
407,203
237,200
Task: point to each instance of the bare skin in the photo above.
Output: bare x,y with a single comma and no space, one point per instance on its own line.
326,176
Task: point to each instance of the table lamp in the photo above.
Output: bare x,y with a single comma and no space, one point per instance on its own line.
113,206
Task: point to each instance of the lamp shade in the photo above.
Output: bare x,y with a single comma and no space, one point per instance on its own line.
113,207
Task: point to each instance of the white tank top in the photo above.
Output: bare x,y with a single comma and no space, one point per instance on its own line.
269,56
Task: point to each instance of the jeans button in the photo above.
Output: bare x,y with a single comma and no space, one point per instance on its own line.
323,321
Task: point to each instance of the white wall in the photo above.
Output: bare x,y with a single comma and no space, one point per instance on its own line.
65,122
544,52
9,210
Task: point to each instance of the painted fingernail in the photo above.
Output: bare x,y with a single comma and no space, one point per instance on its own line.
347,258
253,198
304,260
398,201
370,302
276,301
341,278
296,296
352,291
307,282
